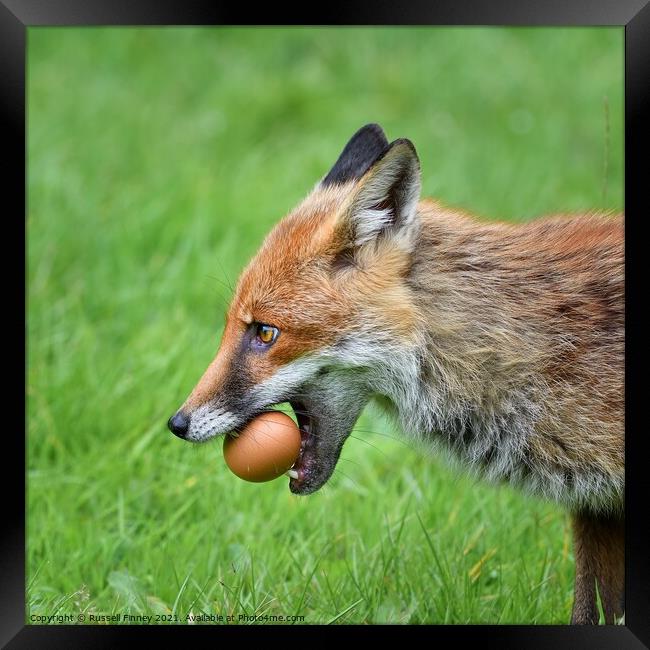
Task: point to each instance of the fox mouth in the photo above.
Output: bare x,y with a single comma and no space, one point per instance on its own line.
317,456
303,474
325,411
326,414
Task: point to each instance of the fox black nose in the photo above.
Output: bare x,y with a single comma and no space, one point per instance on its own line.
179,424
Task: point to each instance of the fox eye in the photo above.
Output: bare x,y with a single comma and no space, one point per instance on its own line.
266,334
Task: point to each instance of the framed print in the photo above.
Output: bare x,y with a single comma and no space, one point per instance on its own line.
389,258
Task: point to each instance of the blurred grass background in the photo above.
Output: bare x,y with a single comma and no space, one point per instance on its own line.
158,160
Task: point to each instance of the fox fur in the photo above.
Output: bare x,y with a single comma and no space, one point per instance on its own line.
500,345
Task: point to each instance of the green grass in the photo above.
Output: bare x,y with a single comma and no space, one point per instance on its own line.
158,160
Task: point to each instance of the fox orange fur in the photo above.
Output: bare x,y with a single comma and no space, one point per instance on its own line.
501,345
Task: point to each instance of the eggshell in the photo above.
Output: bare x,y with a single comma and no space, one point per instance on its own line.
265,449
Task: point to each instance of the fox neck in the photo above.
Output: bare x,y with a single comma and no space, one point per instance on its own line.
467,383
460,362
485,376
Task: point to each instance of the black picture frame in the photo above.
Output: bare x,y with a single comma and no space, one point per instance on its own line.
634,15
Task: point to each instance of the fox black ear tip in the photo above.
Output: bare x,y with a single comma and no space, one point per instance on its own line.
363,149
374,127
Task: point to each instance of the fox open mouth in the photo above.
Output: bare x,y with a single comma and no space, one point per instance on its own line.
303,470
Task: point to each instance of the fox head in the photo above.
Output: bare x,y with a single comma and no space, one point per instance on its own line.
321,312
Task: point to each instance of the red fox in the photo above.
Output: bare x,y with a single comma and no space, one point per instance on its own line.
499,344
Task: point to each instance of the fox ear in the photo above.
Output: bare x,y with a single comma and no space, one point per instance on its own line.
385,200
363,149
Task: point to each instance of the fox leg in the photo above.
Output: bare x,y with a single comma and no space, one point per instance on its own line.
600,560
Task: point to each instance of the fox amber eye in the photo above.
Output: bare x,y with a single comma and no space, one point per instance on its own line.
266,333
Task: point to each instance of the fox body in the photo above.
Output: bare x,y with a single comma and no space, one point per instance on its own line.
499,344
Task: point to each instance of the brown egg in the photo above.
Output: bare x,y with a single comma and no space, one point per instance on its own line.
265,449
